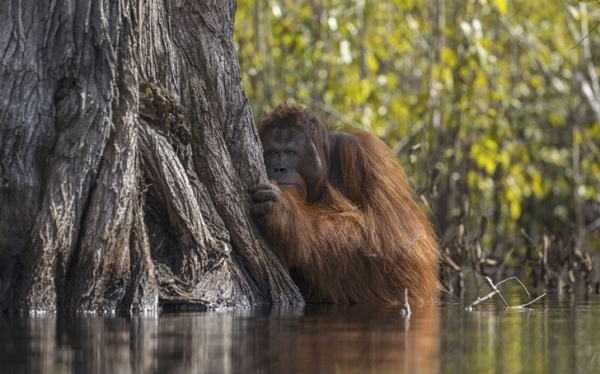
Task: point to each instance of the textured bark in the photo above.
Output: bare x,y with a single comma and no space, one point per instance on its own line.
127,147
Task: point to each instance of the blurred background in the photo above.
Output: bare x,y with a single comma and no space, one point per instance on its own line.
492,107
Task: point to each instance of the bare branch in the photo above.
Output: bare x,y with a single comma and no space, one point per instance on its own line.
406,308
517,279
491,284
495,291
531,302
481,300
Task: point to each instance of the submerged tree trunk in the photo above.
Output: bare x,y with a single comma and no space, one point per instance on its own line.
126,149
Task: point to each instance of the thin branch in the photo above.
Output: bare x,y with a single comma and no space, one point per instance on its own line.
495,291
410,21
517,279
491,284
531,302
406,309
481,300
346,119
593,226
586,35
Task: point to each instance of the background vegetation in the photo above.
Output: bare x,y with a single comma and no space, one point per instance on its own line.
493,107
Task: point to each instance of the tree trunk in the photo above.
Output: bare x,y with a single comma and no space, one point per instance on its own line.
127,147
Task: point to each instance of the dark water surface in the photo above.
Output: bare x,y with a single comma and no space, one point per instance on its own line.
558,334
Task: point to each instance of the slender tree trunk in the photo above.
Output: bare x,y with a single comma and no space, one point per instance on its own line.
126,149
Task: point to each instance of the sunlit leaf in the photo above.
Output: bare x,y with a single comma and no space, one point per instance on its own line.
448,57
501,6
372,63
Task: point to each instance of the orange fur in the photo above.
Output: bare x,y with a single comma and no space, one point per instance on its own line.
364,239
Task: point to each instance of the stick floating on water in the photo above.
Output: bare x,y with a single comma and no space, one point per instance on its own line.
496,291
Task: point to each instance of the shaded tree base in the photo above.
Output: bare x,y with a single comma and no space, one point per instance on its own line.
126,155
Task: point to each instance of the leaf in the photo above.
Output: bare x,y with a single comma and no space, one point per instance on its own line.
448,57
501,6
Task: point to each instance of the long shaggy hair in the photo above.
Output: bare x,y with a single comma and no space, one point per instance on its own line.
364,238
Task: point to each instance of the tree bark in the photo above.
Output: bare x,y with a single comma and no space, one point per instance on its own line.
127,147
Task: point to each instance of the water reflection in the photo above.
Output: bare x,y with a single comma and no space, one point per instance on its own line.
559,335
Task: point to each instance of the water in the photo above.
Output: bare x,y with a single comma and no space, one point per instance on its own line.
558,334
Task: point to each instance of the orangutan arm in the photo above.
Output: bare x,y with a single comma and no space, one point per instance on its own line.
309,234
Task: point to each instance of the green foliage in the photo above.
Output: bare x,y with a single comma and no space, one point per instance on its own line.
496,95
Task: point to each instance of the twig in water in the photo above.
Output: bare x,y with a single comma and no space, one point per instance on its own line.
495,291
531,302
481,300
491,284
406,308
517,279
